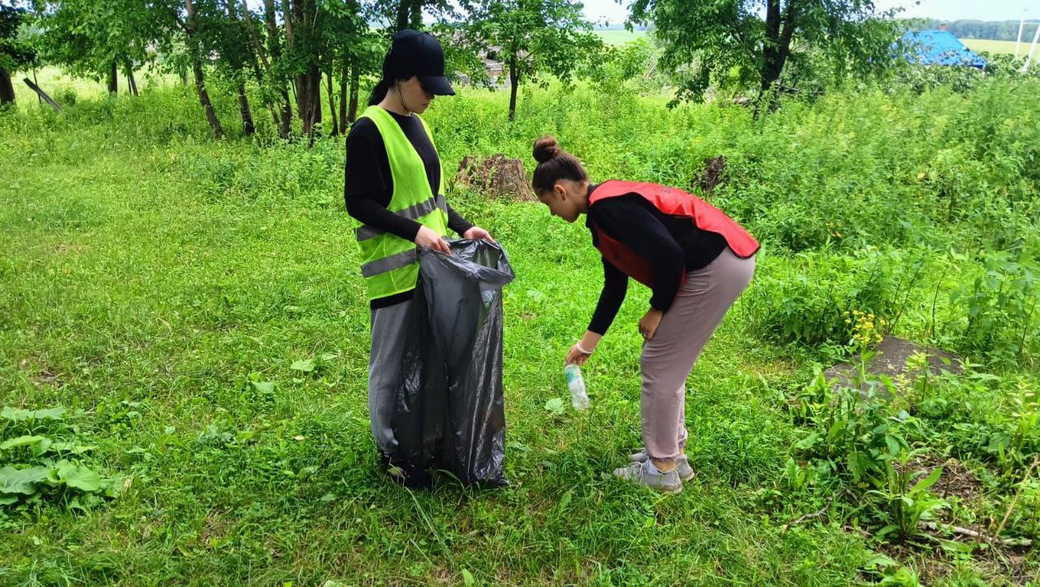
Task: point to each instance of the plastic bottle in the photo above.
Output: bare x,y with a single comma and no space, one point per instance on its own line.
575,383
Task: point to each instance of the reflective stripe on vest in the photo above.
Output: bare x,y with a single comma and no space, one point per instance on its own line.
414,212
389,263
670,202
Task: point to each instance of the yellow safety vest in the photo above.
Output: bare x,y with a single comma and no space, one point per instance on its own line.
389,263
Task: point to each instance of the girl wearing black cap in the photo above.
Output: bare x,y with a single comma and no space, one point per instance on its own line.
696,260
394,188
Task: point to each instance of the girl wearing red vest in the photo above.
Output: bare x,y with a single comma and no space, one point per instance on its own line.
696,260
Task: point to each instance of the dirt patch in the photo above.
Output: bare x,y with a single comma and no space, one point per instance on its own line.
40,375
933,565
215,528
46,377
929,553
496,176
956,480
69,249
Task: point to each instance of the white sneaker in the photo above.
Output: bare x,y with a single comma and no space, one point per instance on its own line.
682,464
642,474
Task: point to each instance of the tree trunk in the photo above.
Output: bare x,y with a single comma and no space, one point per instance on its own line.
207,106
113,81
275,48
247,114
768,74
285,122
334,123
415,14
130,81
408,15
314,78
402,15
355,88
344,81
779,32
514,81
302,26
6,88
238,65
200,76
258,61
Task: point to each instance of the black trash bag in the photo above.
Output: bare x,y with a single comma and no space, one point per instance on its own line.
450,412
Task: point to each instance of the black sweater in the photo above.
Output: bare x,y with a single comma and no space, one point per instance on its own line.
369,185
673,245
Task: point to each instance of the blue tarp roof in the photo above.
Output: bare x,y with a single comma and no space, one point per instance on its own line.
939,48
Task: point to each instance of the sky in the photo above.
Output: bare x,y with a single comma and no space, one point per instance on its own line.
610,10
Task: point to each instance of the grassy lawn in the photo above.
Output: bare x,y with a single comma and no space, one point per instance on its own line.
160,286
991,46
619,37
60,85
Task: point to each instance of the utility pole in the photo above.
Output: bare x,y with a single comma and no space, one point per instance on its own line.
1021,25
1032,50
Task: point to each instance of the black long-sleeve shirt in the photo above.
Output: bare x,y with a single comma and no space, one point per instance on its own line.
673,246
369,185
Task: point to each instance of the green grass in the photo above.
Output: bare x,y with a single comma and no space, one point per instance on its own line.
620,36
59,85
149,275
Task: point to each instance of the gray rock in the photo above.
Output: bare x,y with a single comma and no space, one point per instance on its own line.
889,360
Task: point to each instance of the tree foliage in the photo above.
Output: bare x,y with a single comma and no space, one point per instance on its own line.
534,37
15,52
750,44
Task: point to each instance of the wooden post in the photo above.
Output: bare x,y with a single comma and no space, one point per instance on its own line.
43,95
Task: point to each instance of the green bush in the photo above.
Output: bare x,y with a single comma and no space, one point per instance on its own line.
999,303
812,298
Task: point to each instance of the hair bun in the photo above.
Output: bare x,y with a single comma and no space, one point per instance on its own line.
545,149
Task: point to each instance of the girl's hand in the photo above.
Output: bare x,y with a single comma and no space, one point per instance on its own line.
583,349
427,238
649,322
575,356
477,233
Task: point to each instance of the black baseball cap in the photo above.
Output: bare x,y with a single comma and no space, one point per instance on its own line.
419,54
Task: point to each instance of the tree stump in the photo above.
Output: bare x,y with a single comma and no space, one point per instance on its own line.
714,167
496,176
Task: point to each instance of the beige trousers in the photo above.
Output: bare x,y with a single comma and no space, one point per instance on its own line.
669,356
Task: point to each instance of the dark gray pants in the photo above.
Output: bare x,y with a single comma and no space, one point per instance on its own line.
391,329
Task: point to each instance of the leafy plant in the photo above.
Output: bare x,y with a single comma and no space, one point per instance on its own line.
1001,305
34,467
851,434
817,298
901,506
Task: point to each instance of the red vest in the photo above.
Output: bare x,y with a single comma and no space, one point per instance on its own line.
670,202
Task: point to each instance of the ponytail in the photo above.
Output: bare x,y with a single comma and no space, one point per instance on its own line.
379,92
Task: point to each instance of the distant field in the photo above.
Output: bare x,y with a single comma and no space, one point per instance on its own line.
56,83
995,46
619,37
